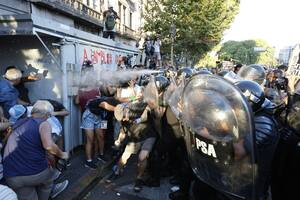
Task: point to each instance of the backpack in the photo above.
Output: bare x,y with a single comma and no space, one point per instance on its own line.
110,22
148,48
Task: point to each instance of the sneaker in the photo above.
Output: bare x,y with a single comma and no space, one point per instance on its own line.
90,164
102,158
138,185
175,188
112,177
58,188
68,163
56,174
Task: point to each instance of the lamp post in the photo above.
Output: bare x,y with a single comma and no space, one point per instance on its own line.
172,33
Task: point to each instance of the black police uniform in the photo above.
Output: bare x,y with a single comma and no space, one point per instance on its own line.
286,163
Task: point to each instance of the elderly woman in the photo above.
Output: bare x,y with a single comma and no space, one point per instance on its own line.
25,163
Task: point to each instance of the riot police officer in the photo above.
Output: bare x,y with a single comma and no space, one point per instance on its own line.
287,158
224,146
266,134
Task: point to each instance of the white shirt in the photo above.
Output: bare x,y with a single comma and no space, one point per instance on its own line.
156,45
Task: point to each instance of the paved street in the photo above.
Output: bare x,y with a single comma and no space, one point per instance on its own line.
122,188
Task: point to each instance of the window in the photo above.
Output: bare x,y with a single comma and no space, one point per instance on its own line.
124,15
88,2
95,4
130,20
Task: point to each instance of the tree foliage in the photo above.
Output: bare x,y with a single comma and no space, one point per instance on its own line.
199,23
244,52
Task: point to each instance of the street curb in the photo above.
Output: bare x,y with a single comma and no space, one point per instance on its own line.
85,183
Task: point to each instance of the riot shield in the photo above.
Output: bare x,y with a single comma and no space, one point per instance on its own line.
174,100
150,94
254,73
216,119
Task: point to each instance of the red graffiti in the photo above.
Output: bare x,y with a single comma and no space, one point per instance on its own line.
99,57
85,57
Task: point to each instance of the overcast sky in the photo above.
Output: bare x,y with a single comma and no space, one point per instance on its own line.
276,21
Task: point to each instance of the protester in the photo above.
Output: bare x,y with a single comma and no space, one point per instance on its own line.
25,163
23,91
137,124
19,112
156,54
87,90
237,68
4,131
94,123
149,51
7,194
9,95
110,17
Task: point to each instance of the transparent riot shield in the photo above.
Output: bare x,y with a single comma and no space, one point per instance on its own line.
174,100
150,94
252,73
217,119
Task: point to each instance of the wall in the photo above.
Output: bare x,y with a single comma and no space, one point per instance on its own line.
49,15
27,53
13,7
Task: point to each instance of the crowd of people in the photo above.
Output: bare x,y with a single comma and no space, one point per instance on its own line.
153,116
219,134
31,140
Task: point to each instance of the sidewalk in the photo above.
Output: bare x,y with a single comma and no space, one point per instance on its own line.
81,179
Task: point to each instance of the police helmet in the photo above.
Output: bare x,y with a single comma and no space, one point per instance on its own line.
253,92
161,83
203,71
223,73
185,72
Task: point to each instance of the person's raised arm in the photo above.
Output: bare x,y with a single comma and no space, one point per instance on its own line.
48,144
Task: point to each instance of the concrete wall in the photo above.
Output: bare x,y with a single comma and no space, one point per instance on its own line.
14,7
27,53
52,16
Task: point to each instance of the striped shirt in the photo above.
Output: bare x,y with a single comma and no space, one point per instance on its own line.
7,194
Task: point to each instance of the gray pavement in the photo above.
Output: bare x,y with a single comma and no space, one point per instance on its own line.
122,188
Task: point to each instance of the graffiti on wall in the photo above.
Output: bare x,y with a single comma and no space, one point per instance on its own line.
102,57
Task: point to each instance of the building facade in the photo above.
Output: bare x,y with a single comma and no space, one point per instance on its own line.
284,55
58,35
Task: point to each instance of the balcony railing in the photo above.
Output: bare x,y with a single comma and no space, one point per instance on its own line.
123,29
76,7
73,7
82,8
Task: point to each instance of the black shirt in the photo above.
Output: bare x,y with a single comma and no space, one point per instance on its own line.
138,132
93,104
56,105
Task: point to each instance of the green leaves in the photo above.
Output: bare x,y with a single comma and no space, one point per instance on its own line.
200,23
245,52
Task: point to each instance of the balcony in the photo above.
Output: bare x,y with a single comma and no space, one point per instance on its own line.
74,8
125,30
83,13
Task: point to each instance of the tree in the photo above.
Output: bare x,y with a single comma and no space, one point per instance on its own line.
199,23
245,52
209,59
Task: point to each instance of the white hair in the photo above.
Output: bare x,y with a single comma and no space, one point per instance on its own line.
42,107
13,74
